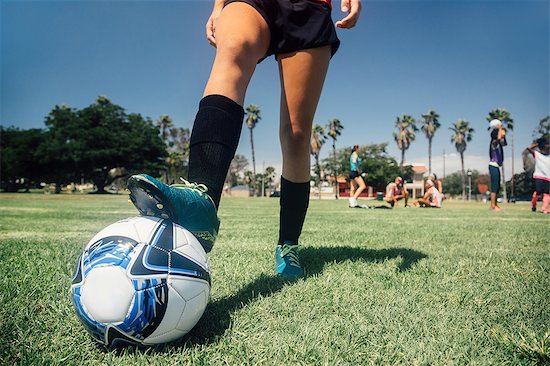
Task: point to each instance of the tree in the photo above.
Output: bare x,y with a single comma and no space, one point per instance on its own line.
92,142
236,169
318,138
504,116
252,118
177,144
177,150
404,134
543,129
164,123
334,128
61,152
452,183
462,134
268,178
430,124
19,165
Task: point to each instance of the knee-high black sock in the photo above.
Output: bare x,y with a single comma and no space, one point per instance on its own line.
213,143
294,203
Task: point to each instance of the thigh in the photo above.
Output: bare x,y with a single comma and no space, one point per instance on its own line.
302,75
242,38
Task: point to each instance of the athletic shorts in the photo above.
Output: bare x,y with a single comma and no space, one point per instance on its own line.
354,174
495,178
296,25
542,186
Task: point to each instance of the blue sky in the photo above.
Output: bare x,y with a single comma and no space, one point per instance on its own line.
461,58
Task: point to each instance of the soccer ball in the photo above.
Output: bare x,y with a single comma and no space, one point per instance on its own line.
142,280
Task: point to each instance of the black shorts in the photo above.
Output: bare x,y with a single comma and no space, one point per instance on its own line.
354,174
296,25
542,186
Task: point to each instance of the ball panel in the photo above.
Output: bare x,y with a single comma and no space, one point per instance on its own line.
182,265
163,237
147,310
145,227
148,262
188,288
187,244
96,329
165,330
107,293
111,250
194,310
164,338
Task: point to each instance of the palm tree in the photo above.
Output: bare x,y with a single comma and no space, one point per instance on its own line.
164,123
543,129
504,116
252,118
462,134
334,128
430,124
404,134
317,140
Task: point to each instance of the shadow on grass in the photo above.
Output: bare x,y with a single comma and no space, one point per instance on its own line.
217,317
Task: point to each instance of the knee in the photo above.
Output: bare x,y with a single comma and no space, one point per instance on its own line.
237,48
295,140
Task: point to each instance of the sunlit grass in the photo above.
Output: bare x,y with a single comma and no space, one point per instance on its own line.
456,286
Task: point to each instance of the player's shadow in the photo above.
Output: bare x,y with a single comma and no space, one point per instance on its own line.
217,317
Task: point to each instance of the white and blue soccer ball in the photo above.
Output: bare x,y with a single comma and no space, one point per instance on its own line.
142,280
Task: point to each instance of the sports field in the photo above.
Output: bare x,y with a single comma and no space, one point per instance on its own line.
457,286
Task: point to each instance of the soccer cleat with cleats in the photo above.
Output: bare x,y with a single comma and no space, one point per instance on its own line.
287,261
186,204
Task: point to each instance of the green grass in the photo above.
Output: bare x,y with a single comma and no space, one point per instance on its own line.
457,286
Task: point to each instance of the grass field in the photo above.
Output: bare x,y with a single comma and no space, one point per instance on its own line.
457,286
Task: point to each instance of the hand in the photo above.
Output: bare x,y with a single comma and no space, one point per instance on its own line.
353,8
211,23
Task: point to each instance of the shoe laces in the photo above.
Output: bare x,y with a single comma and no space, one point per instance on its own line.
290,252
200,188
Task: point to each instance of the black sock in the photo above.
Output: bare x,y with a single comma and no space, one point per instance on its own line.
213,143
294,203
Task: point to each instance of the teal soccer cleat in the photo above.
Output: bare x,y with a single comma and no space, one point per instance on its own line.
186,204
287,262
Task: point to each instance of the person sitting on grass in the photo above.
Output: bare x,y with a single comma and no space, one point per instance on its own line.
437,184
432,197
541,174
395,191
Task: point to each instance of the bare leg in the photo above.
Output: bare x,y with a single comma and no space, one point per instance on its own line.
361,183
353,187
242,38
302,76
494,204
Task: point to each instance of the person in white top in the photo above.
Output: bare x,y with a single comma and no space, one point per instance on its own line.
541,152
432,197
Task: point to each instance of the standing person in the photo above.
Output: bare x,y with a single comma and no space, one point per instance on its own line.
541,175
496,156
396,191
357,184
432,197
303,39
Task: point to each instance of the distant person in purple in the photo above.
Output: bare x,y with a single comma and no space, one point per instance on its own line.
496,156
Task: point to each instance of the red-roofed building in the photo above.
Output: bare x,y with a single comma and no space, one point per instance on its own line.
416,187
